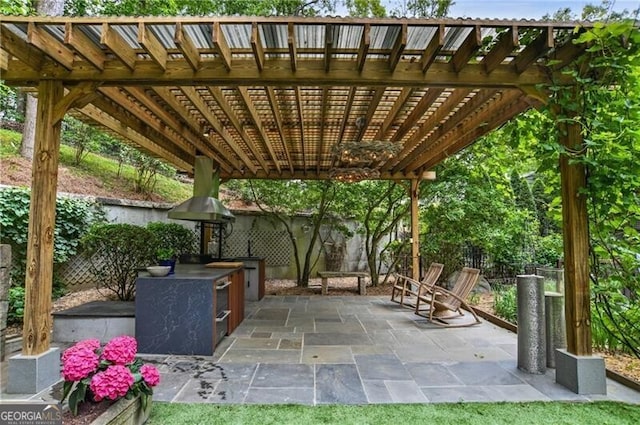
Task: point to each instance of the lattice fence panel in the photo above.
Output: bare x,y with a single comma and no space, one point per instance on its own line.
77,271
273,245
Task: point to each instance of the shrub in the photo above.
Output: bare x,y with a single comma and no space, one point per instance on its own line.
172,237
505,303
16,305
117,251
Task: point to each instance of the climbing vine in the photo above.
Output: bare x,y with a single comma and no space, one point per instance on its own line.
605,102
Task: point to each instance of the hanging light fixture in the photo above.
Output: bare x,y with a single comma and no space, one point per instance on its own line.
353,174
360,157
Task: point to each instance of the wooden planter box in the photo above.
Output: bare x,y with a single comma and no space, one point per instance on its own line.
125,412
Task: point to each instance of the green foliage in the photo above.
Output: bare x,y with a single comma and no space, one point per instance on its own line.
548,250
505,303
172,239
73,218
522,192
82,137
16,7
378,207
9,143
16,305
605,103
200,7
117,252
365,8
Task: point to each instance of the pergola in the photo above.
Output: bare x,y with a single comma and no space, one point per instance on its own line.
270,97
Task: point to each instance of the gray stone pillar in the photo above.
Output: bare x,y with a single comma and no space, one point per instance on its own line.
555,325
5,283
532,356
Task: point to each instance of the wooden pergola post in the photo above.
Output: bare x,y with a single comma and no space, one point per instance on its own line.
575,229
576,367
415,230
39,273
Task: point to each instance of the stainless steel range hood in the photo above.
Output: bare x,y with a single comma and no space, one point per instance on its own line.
203,206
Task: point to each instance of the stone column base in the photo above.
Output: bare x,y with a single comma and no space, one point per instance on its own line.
581,374
32,374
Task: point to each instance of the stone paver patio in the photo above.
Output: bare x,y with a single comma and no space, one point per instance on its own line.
358,350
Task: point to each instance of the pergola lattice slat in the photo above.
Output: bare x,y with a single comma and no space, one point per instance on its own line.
280,93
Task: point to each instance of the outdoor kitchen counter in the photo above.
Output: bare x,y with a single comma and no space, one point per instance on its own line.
190,311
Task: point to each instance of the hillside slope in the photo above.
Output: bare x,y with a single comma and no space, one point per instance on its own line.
95,175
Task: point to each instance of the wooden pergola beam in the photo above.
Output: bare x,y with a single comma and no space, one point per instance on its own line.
77,97
201,106
255,117
301,121
49,45
291,42
481,124
187,47
507,41
328,46
541,45
152,129
118,46
469,47
275,109
36,328
393,113
398,47
256,47
181,130
465,111
433,48
278,73
221,46
126,133
323,115
365,43
25,52
420,109
74,37
152,45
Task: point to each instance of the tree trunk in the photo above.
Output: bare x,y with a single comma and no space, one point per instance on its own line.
44,8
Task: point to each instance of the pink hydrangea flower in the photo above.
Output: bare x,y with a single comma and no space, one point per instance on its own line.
78,363
113,383
150,375
91,344
121,350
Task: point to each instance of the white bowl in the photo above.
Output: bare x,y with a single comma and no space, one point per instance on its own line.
158,271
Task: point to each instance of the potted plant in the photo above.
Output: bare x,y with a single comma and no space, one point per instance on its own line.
167,257
93,373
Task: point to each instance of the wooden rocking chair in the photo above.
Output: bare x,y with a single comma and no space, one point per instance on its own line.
444,304
405,286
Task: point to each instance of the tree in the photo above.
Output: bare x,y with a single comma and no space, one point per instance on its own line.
423,8
365,8
282,201
378,207
45,8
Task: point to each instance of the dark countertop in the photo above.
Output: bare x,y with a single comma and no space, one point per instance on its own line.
192,271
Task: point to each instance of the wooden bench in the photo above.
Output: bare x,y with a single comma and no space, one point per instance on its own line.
362,282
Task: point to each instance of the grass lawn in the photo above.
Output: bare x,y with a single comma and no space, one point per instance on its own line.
548,413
